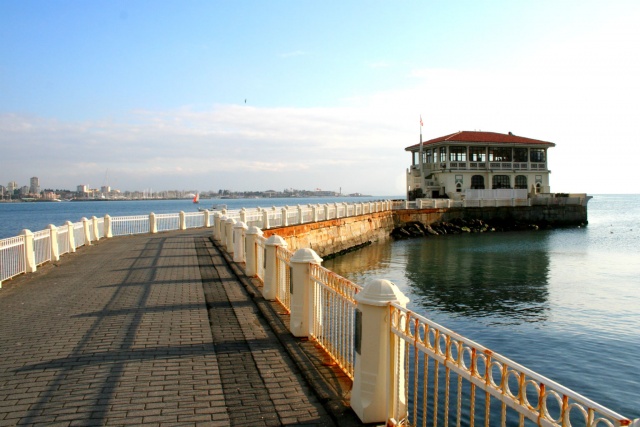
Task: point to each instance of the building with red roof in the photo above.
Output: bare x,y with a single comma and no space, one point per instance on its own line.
457,164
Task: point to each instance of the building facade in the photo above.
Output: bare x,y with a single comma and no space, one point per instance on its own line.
452,165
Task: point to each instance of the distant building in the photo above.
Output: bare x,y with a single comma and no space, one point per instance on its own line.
12,187
450,165
34,187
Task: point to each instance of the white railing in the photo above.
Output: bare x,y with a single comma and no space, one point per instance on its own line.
128,225
406,369
194,220
334,313
62,236
42,246
12,260
78,234
450,379
167,222
260,257
283,277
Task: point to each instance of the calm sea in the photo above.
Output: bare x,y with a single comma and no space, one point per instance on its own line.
564,303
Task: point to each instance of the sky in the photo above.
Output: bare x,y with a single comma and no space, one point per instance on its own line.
257,95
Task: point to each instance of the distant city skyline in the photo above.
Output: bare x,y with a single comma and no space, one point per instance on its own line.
312,95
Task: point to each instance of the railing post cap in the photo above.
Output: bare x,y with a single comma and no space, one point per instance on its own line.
26,232
107,216
223,218
253,230
52,227
276,240
379,292
68,223
240,224
230,221
306,255
84,218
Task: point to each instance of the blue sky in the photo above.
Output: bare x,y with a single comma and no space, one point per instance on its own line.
152,94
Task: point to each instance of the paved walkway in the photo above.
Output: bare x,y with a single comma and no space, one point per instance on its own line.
145,330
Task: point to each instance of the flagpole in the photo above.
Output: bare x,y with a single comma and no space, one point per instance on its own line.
420,160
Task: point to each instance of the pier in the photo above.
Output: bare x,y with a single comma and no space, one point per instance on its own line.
207,318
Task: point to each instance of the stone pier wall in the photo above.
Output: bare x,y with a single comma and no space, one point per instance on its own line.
555,215
337,235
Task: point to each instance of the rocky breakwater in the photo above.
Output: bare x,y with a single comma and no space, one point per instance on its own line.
459,226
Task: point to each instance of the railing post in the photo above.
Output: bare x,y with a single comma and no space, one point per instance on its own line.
223,230
29,254
153,223
243,215
337,210
108,228
265,219
285,219
228,234
300,321
300,217
55,250
71,237
239,249
87,232
207,218
216,226
251,265
314,213
326,211
183,221
374,385
271,265
96,229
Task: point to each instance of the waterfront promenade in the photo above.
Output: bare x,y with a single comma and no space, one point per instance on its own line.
152,329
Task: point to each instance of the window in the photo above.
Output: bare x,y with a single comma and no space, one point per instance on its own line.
443,154
478,154
458,154
499,154
521,182
538,155
428,160
501,181
458,188
477,182
520,155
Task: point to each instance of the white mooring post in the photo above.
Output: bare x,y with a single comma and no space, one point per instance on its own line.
71,237
55,250
29,254
301,321
223,230
373,395
153,223
183,221
87,232
216,226
239,250
108,229
228,234
96,229
271,265
251,236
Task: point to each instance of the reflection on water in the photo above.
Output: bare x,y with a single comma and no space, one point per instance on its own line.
498,275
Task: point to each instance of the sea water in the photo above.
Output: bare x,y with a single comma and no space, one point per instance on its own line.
564,303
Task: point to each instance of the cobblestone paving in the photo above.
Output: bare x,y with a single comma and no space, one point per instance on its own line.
121,333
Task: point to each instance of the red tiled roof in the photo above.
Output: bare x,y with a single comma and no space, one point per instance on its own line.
483,138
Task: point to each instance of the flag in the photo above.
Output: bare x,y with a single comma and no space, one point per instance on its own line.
421,120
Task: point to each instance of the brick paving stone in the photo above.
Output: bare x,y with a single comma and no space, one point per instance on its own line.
144,330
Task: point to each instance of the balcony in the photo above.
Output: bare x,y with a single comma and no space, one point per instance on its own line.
472,166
